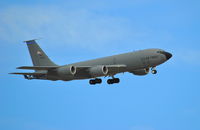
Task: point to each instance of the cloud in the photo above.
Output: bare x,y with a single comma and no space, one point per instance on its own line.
71,27
84,28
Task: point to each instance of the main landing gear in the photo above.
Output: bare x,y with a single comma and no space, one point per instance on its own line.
95,81
113,80
99,81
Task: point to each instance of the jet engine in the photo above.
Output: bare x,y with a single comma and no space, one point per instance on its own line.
140,71
66,72
98,71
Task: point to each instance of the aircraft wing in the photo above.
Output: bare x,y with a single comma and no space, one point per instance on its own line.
78,67
111,68
38,67
108,66
116,68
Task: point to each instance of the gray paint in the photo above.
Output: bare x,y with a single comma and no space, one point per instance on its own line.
133,60
138,60
39,58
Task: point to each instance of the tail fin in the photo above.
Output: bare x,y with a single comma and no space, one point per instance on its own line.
38,56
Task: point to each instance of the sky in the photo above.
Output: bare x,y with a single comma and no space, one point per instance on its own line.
72,31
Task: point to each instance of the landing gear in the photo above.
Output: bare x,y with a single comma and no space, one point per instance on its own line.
99,81
114,80
95,81
153,70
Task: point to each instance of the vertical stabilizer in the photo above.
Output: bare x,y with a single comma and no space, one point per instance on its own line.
38,56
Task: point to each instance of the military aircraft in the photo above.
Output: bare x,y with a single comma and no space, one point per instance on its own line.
137,62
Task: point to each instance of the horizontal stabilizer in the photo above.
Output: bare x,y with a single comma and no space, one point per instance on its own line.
38,67
29,73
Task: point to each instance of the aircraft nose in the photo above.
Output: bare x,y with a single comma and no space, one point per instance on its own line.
168,55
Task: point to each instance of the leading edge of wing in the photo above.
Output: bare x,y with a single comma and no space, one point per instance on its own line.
116,66
109,66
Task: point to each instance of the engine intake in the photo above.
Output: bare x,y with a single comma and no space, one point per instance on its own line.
98,71
66,71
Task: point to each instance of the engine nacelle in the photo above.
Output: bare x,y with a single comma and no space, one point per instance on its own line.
140,71
66,72
98,71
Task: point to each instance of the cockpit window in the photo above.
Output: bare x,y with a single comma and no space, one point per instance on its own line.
161,52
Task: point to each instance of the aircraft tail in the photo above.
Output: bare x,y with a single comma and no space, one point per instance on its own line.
38,56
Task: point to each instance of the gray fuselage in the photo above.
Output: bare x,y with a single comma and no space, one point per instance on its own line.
137,63
133,60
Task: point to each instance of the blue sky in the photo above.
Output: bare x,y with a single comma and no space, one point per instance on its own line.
74,31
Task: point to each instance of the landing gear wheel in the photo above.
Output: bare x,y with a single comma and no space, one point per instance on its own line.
98,81
110,81
114,80
92,82
95,81
154,71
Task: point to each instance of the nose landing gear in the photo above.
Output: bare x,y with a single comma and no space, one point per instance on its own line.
153,70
